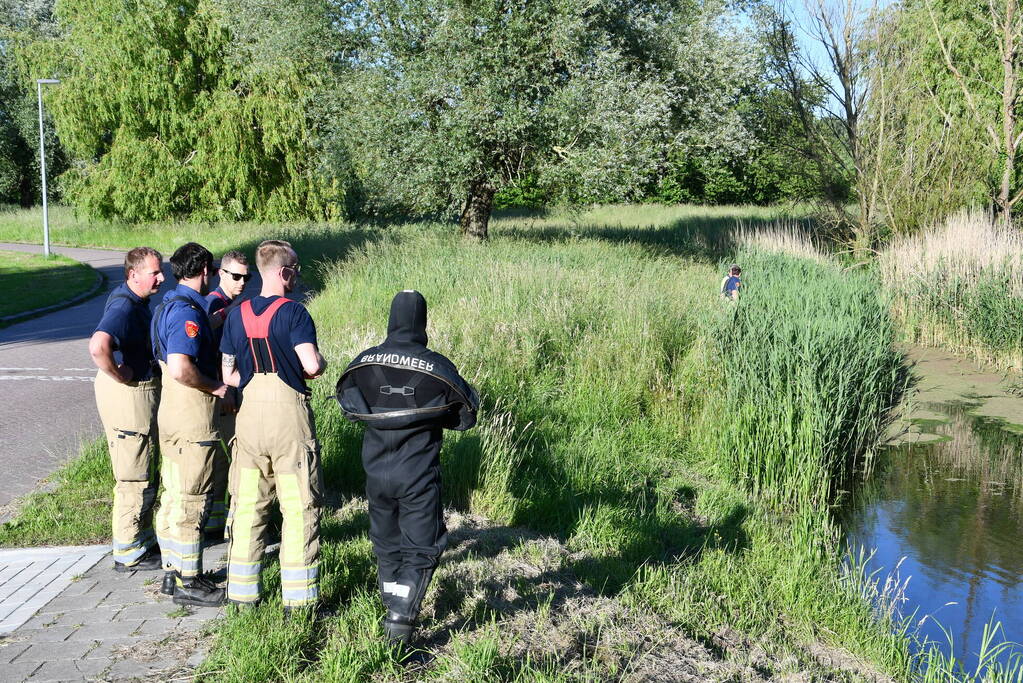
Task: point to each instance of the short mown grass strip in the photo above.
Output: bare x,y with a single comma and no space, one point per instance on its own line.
31,281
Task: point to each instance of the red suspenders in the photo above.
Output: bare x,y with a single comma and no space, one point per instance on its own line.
257,329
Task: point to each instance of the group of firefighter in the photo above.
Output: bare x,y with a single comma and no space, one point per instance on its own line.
207,394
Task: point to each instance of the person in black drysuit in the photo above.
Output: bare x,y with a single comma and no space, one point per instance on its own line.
406,395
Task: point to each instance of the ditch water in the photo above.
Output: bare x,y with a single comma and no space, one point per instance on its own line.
945,511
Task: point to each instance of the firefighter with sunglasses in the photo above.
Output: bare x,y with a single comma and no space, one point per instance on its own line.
234,275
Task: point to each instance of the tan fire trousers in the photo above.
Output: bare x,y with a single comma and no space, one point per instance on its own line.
188,445
275,449
128,413
217,518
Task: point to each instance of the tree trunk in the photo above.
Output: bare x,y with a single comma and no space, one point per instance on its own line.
478,207
1008,45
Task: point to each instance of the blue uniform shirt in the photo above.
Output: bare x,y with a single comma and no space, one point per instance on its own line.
180,328
292,325
126,318
217,306
216,300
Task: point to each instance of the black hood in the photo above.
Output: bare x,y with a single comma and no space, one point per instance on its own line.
407,324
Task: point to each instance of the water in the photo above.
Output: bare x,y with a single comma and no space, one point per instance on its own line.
953,508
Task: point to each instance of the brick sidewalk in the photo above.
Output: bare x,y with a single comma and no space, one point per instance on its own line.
108,626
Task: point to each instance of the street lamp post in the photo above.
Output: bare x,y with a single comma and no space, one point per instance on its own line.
42,161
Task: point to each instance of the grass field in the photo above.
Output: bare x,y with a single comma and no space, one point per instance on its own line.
649,484
30,281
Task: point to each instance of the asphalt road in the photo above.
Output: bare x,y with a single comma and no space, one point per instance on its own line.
47,405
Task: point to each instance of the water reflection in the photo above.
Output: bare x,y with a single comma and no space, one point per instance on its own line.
954,510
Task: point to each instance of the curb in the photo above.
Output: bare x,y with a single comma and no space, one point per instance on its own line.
98,285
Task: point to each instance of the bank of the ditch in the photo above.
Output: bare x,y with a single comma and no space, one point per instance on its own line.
647,491
623,406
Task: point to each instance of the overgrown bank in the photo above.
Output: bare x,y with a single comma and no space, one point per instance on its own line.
614,407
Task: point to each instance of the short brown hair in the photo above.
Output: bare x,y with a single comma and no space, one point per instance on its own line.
273,254
136,258
234,256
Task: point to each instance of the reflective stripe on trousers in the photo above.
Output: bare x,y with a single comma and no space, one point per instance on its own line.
188,444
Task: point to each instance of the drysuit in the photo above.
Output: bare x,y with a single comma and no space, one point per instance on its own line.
406,395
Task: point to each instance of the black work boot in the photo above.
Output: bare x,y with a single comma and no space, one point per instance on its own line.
150,561
167,587
197,591
398,628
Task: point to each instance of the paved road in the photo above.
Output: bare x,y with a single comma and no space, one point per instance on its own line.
47,407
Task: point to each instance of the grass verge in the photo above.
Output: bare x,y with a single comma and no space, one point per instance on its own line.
30,281
610,505
74,510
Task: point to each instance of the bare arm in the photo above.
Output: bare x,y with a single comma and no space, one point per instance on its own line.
313,363
230,372
184,370
101,348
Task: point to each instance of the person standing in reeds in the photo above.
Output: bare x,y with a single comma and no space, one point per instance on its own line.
731,283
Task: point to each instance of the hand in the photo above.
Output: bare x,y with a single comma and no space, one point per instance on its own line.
125,373
229,404
220,391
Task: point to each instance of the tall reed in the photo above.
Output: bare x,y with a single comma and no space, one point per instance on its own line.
959,285
810,378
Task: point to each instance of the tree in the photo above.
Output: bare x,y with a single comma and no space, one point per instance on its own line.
19,132
999,24
827,99
935,134
921,144
451,100
165,118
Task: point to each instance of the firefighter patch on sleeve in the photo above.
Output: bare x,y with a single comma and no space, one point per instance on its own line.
191,329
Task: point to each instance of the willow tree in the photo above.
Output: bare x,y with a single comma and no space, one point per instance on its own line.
448,101
165,118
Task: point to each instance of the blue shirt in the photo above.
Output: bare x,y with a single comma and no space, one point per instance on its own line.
217,307
216,300
126,318
291,325
732,283
180,328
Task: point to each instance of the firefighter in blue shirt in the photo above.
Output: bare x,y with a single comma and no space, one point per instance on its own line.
234,275
184,345
127,393
269,348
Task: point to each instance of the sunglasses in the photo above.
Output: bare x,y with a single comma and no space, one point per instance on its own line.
237,276
295,267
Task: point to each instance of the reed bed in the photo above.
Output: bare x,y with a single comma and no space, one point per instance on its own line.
959,285
786,236
811,378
